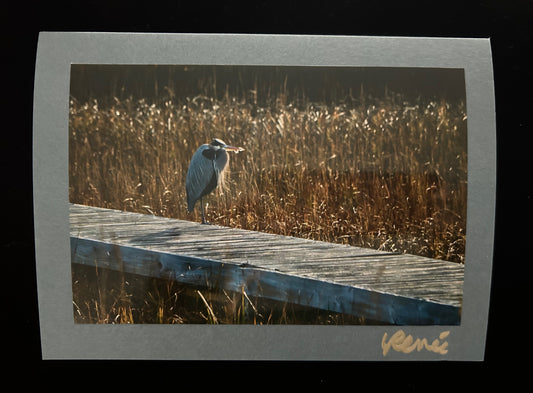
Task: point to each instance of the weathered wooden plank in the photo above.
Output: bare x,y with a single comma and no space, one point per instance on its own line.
324,275
373,305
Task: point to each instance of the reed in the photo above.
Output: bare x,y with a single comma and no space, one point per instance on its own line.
386,172
159,301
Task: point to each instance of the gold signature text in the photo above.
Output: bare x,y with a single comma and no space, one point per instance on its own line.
400,342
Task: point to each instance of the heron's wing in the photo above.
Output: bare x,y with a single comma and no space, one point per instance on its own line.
199,177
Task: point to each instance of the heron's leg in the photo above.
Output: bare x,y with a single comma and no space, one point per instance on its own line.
202,209
203,214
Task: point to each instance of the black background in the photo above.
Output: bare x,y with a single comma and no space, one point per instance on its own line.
507,23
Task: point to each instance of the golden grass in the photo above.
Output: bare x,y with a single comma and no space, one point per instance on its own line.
387,172
384,173
103,296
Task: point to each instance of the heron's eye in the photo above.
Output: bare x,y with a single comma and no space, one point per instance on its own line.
217,142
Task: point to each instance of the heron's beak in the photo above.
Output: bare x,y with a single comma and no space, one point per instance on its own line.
233,148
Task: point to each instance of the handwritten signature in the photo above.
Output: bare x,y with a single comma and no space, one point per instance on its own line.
400,342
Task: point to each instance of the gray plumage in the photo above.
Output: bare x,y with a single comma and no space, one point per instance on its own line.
205,171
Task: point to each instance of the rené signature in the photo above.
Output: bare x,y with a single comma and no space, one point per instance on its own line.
400,342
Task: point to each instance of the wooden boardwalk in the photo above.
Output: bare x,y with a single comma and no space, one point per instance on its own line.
386,287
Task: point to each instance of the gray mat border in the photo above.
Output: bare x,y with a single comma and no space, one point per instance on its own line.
62,339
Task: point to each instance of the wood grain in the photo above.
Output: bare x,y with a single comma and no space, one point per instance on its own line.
388,287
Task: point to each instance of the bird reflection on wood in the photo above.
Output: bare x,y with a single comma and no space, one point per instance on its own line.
205,171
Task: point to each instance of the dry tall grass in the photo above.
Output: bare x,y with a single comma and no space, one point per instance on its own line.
104,296
386,173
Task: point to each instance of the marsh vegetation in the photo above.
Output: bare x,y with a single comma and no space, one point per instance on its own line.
384,169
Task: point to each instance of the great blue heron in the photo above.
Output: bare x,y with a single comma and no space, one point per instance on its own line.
205,171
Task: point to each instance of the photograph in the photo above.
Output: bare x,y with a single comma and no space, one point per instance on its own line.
267,195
